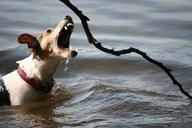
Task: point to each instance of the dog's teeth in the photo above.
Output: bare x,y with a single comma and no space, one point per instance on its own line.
65,27
69,24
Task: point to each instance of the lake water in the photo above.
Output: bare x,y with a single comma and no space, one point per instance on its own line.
102,90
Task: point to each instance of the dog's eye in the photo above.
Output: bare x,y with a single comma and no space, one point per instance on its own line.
48,30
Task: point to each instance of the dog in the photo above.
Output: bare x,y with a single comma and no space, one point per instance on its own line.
34,76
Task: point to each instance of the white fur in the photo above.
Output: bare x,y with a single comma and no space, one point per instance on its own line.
20,91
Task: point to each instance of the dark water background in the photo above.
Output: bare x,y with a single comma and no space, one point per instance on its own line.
103,90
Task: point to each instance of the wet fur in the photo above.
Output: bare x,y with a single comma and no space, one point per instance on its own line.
40,65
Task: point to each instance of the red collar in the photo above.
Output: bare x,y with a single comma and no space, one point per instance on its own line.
36,84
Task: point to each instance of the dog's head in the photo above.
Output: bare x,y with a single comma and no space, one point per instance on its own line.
54,42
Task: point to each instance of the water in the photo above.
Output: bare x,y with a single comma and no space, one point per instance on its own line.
101,90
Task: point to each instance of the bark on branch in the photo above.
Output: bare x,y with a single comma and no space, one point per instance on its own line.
99,46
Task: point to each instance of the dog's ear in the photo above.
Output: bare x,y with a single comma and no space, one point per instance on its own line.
32,43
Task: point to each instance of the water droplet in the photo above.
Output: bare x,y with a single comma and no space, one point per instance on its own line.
66,65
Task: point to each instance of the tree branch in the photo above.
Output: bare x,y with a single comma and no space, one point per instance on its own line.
99,46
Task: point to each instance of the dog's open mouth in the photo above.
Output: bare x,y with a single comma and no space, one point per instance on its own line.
65,33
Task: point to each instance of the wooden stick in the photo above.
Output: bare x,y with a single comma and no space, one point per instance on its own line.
99,46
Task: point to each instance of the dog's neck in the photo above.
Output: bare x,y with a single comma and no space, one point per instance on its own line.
39,69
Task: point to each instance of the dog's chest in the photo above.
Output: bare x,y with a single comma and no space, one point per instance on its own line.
20,92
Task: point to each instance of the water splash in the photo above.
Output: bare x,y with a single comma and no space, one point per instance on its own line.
66,65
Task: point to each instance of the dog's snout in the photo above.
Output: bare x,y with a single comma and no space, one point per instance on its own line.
69,18
74,53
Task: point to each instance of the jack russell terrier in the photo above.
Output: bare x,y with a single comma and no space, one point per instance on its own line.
34,76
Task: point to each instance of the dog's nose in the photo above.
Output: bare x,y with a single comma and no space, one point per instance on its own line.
68,18
74,53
